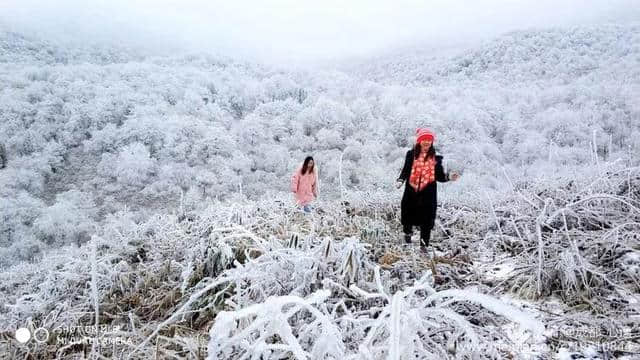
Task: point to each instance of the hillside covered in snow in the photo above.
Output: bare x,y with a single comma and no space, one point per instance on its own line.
149,195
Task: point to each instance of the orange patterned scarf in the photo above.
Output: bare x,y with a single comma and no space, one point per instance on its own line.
423,172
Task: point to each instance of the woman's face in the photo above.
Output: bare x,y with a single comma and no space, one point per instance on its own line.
426,144
310,163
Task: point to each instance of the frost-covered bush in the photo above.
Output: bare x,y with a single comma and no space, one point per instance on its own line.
132,166
18,213
27,249
409,325
69,221
573,238
271,320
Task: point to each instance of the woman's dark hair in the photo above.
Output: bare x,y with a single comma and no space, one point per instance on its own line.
305,165
416,151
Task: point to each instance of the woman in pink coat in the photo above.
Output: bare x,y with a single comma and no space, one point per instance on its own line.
304,184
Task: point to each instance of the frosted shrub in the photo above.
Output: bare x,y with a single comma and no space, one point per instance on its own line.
570,236
69,220
278,327
134,165
28,249
18,214
414,325
414,322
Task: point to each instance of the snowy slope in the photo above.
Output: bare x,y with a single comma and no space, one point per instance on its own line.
556,56
28,50
150,133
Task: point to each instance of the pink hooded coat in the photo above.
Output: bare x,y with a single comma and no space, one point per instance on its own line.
304,187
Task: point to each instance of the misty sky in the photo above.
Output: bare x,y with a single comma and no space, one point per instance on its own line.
298,30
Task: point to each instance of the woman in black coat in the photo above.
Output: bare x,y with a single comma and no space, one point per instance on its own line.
421,171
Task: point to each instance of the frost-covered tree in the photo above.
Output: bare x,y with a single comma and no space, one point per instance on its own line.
70,220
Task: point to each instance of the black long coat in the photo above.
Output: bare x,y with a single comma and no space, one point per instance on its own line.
419,208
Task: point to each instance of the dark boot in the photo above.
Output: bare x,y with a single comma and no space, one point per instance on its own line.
425,235
407,238
407,230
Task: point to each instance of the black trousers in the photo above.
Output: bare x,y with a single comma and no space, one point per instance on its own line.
425,233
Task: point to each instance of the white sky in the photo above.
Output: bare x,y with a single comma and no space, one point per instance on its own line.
299,30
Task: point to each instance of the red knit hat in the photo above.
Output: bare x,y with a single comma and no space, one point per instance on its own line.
425,134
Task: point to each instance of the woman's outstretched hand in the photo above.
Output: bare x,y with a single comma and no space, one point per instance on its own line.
453,176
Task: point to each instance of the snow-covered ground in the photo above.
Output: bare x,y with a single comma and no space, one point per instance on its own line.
148,196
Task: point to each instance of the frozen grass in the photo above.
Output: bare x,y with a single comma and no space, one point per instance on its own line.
261,279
